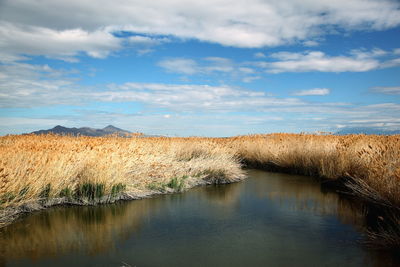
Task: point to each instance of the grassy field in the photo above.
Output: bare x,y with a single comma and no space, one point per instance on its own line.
369,165
40,171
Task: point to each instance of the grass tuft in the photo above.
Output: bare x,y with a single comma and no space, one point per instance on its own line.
90,191
45,192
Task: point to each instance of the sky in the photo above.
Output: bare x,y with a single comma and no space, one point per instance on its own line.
204,68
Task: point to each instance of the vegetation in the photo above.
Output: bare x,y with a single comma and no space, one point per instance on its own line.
87,169
368,165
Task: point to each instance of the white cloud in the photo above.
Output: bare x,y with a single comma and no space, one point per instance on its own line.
249,79
190,97
25,85
180,65
65,44
319,61
315,91
65,27
190,66
259,55
394,90
208,66
310,43
28,85
357,61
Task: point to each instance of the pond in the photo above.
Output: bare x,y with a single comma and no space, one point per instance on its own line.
270,219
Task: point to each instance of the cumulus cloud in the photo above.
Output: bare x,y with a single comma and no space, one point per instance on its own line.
359,60
32,85
319,61
315,91
65,27
356,60
65,44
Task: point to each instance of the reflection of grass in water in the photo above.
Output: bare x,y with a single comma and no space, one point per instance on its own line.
225,195
302,193
63,230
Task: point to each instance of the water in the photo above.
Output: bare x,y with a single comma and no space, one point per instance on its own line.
269,219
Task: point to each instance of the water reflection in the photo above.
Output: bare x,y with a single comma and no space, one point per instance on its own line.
270,218
86,229
295,192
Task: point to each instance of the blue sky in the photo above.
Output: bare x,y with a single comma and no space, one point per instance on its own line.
208,68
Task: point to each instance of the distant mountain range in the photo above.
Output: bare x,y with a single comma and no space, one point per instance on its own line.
86,131
366,130
110,129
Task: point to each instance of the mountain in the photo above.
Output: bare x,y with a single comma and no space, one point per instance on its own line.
86,131
366,130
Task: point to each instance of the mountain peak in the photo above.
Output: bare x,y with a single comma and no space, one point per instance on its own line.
58,127
111,127
61,130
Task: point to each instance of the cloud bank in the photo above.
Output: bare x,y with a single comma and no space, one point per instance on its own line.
64,28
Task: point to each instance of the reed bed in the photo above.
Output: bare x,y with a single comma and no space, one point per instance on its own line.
50,169
368,165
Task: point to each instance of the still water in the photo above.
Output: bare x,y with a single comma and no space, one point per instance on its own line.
270,219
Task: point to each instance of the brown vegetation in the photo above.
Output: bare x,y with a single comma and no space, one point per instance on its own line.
368,164
88,170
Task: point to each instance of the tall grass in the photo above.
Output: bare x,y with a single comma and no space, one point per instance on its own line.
87,170
368,164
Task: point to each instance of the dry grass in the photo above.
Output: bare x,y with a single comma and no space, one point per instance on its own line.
86,169
37,167
370,163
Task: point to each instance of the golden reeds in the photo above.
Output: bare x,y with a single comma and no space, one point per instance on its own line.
371,163
87,169
46,168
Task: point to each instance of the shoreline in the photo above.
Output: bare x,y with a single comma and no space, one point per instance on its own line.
11,214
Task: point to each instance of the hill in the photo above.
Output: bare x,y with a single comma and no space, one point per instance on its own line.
86,131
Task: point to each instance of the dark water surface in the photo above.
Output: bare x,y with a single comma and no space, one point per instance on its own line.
270,219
